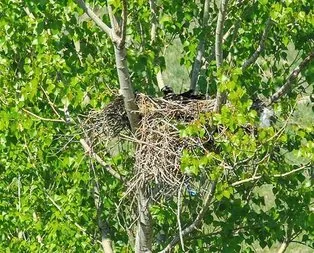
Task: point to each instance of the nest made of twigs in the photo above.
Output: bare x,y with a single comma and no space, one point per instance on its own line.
158,143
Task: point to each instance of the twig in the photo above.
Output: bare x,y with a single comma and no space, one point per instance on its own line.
221,96
302,243
288,84
260,47
197,220
43,119
275,176
50,103
88,150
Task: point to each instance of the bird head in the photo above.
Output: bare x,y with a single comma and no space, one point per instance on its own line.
167,90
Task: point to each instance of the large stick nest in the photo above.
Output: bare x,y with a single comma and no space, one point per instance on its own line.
159,145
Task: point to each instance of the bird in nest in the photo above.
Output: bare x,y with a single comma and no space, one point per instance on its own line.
169,94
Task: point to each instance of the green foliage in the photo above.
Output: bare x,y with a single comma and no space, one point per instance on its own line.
53,59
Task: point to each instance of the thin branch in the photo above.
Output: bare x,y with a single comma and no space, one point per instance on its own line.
219,32
92,154
288,84
50,103
195,224
302,243
260,47
200,49
178,217
275,176
124,22
153,35
103,227
221,96
98,21
43,119
153,15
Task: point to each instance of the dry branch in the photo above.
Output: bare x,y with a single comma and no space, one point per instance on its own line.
289,82
260,47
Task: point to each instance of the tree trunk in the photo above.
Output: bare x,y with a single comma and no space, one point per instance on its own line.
143,242
126,88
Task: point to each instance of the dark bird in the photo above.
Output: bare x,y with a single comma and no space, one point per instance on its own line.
166,90
169,94
187,94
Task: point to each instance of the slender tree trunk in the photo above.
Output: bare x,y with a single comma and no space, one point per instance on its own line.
126,87
200,49
221,95
283,247
143,242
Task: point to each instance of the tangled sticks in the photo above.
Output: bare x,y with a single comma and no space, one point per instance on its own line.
158,143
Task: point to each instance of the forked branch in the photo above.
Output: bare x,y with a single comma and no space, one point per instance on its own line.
98,21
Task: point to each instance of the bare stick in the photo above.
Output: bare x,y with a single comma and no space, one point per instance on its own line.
275,176
88,150
195,224
288,84
221,96
260,47
41,118
50,103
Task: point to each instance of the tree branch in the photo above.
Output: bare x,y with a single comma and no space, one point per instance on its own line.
88,150
124,22
283,247
275,176
200,49
103,227
260,47
153,34
283,90
221,96
153,16
196,223
43,119
144,237
98,21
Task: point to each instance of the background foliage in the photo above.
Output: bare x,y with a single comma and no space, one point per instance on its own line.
54,60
